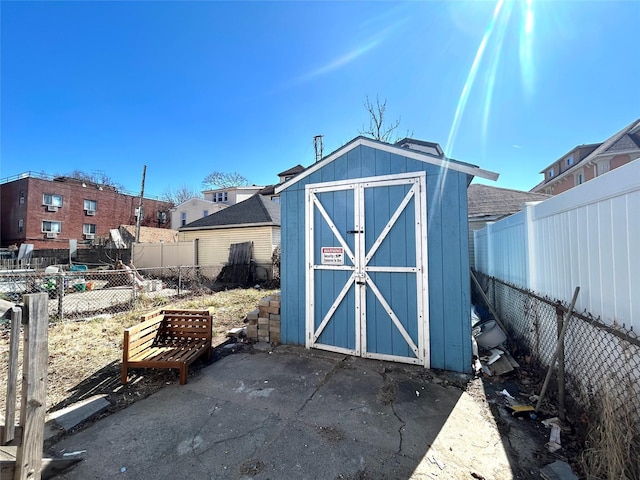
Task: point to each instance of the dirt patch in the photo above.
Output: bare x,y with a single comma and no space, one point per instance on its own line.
252,467
85,355
332,434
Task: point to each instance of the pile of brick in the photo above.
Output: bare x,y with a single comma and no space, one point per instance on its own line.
263,324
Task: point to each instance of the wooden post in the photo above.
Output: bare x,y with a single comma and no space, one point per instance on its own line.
559,316
8,433
34,387
552,364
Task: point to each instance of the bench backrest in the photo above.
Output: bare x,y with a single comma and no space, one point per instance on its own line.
186,324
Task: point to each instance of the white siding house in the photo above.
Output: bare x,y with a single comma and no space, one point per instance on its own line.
231,195
192,210
255,220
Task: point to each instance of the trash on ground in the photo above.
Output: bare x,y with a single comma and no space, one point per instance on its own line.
558,470
236,332
507,394
554,444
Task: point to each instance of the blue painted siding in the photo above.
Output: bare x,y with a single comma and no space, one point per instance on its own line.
447,250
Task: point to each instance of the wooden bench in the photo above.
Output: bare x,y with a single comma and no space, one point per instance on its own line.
167,338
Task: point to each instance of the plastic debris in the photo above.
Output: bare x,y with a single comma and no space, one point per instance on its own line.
506,394
554,444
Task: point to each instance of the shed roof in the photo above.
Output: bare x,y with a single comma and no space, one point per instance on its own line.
395,149
489,201
254,211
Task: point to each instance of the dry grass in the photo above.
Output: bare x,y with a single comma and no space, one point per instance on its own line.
613,440
85,356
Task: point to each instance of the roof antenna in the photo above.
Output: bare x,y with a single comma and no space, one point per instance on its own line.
317,145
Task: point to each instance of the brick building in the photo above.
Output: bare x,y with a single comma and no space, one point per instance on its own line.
49,211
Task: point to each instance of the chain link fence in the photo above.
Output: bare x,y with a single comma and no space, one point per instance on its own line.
598,358
85,293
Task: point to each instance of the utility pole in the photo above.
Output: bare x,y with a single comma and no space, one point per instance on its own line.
317,145
144,172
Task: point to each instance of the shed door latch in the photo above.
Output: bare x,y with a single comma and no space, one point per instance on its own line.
355,231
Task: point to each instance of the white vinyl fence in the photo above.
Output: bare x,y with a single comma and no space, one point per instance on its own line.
149,255
588,236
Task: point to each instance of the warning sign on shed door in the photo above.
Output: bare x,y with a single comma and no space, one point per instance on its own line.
332,256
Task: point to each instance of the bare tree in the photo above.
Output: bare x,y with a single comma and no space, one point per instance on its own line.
224,180
377,127
180,194
97,176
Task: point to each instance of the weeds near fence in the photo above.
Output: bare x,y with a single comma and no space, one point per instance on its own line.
613,439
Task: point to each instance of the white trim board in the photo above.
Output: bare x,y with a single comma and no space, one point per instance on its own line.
385,147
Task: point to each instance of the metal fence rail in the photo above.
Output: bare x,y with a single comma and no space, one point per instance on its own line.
597,357
82,294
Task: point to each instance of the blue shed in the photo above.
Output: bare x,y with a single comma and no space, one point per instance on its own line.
375,258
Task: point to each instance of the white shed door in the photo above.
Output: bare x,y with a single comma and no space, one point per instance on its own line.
366,268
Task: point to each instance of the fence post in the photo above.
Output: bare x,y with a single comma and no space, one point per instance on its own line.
179,279
12,380
530,246
552,364
34,387
60,286
560,317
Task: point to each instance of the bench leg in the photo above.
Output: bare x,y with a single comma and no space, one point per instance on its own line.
183,374
125,374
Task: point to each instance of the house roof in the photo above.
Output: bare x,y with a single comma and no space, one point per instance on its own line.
292,171
147,234
395,149
197,199
489,201
628,139
590,146
255,210
268,190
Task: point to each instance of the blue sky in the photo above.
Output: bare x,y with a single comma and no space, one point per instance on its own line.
188,88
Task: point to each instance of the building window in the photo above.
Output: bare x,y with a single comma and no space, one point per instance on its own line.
220,197
52,227
20,225
569,160
21,197
205,213
91,205
183,219
550,173
89,229
52,200
162,217
602,168
579,179
276,199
